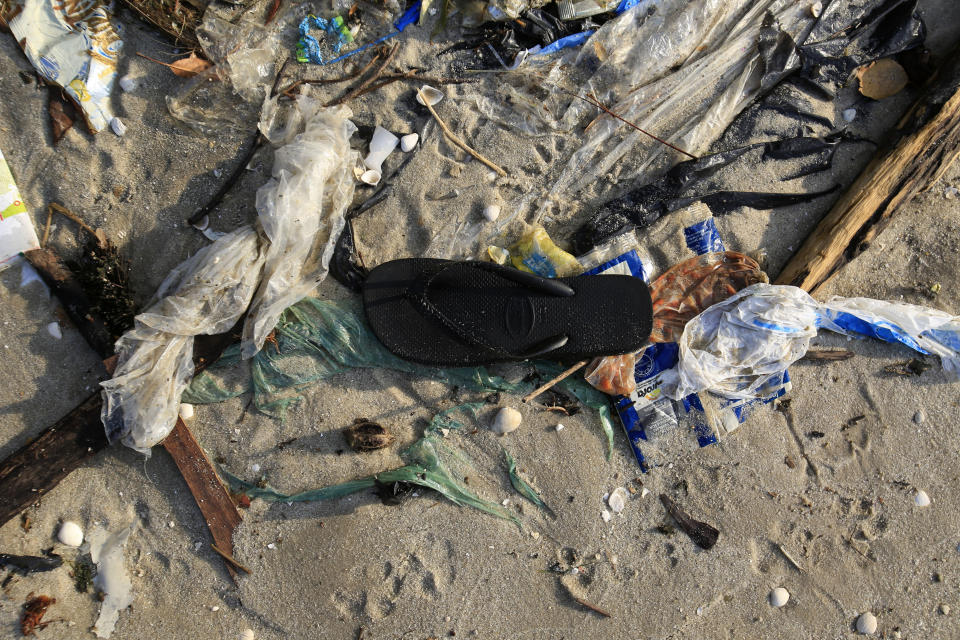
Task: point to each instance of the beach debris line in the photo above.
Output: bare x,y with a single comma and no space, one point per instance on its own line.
704,535
364,435
33,612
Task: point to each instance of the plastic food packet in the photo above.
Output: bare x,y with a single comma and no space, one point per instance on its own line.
73,45
614,375
536,253
687,289
16,227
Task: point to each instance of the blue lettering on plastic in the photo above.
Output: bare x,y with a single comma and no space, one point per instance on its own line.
703,237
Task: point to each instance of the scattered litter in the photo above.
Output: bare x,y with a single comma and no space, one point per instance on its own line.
921,499
30,564
364,435
33,611
409,141
54,330
617,499
704,535
118,127
429,96
867,623
779,597
112,580
70,534
491,212
16,228
506,421
882,79
72,45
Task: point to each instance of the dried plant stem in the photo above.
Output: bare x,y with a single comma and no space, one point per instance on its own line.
353,93
62,210
456,139
350,76
566,374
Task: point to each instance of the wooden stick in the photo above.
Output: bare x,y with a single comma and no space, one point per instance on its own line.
62,210
46,229
569,372
230,559
350,95
456,140
350,76
908,165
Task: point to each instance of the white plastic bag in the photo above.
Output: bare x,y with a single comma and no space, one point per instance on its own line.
206,294
740,347
301,209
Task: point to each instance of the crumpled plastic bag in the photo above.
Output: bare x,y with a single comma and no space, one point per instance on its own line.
301,209
206,294
738,347
73,45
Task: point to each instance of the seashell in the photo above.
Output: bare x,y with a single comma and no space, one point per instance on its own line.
371,177
491,212
118,127
779,597
617,499
186,411
921,499
867,623
54,330
849,115
202,223
409,141
920,416
507,420
70,534
382,144
364,435
247,635
432,94
816,9
605,515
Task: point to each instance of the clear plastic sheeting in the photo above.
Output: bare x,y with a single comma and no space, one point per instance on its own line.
206,294
739,348
301,209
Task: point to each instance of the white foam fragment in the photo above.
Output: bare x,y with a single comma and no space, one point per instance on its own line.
106,550
54,330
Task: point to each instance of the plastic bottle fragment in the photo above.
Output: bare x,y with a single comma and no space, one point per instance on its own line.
381,145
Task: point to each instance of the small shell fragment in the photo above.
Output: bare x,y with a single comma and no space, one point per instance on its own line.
70,534
491,212
432,95
867,623
409,141
617,500
849,115
816,9
779,597
118,127
920,416
186,411
54,330
247,635
605,515
371,177
921,499
507,420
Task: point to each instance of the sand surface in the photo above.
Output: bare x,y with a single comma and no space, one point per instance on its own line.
844,510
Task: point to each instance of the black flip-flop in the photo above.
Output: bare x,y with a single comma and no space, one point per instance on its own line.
446,313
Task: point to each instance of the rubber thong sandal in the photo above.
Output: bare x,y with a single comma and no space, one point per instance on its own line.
446,313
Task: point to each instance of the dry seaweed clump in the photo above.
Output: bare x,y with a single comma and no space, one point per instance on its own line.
104,276
33,612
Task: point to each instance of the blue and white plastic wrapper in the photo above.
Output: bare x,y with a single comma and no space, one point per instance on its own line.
740,347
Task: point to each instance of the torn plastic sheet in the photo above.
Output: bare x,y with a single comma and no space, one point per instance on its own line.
522,487
695,180
16,227
301,209
72,45
735,348
112,579
431,464
206,294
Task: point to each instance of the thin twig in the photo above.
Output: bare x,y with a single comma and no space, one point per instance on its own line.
229,558
796,565
530,396
62,210
390,78
456,140
350,95
592,607
46,229
592,100
350,76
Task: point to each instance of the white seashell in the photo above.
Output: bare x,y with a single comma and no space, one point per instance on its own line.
70,534
247,635
128,84
371,177
920,416
559,426
816,9
921,499
849,114
507,420
617,500
409,141
779,597
491,212
605,515
186,411
202,223
381,145
867,623
432,94
644,492
54,329
118,127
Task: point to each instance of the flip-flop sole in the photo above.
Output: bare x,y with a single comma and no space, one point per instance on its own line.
607,315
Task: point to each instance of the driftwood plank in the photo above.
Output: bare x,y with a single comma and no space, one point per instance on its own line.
922,148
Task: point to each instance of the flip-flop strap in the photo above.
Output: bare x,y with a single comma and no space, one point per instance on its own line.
418,292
